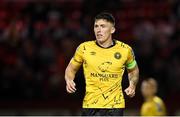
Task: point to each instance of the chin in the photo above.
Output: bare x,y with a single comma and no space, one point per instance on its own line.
100,40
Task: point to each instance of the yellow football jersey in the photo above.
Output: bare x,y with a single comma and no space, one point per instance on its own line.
154,107
103,70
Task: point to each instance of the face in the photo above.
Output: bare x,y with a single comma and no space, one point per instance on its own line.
103,30
146,89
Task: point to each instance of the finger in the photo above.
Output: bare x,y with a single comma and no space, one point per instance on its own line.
70,89
71,85
126,91
128,94
67,89
132,94
74,83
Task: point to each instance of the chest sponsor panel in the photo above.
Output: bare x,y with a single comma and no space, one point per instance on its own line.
111,63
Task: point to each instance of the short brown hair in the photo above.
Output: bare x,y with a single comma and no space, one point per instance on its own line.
106,16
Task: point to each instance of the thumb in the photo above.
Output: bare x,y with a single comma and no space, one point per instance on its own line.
126,90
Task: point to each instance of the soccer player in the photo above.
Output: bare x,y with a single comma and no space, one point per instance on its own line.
104,61
153,105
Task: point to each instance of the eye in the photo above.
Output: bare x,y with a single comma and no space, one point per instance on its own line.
103,26
95,26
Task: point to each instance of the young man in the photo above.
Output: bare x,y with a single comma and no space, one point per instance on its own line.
153,105
104,61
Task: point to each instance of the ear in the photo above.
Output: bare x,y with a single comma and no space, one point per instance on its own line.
113,30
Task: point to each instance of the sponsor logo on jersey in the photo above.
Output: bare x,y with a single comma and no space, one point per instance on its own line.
104,66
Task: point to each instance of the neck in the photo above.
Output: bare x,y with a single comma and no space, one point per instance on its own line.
149,98
106,43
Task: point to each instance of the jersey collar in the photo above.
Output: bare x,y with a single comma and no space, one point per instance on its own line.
114,43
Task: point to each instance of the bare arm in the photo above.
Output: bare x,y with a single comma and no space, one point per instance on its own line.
133,76
70,73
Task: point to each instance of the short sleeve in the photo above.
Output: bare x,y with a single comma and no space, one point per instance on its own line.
77,59
131,62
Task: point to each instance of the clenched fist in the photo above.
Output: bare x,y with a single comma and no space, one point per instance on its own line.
130,91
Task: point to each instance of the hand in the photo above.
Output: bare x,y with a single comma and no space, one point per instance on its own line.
130,91
70,86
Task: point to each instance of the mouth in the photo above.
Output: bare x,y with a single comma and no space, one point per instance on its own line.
99,35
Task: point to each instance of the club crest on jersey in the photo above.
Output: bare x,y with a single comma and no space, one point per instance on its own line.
117,55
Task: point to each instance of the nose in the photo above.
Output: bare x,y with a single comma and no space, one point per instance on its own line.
98,30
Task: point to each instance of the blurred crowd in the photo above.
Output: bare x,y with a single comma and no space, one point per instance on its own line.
37,40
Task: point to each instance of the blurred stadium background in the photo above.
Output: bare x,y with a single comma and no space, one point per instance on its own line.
38,38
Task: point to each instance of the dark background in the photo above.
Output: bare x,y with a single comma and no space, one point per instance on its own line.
38,38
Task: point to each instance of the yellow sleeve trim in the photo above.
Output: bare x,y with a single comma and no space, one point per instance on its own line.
131,65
